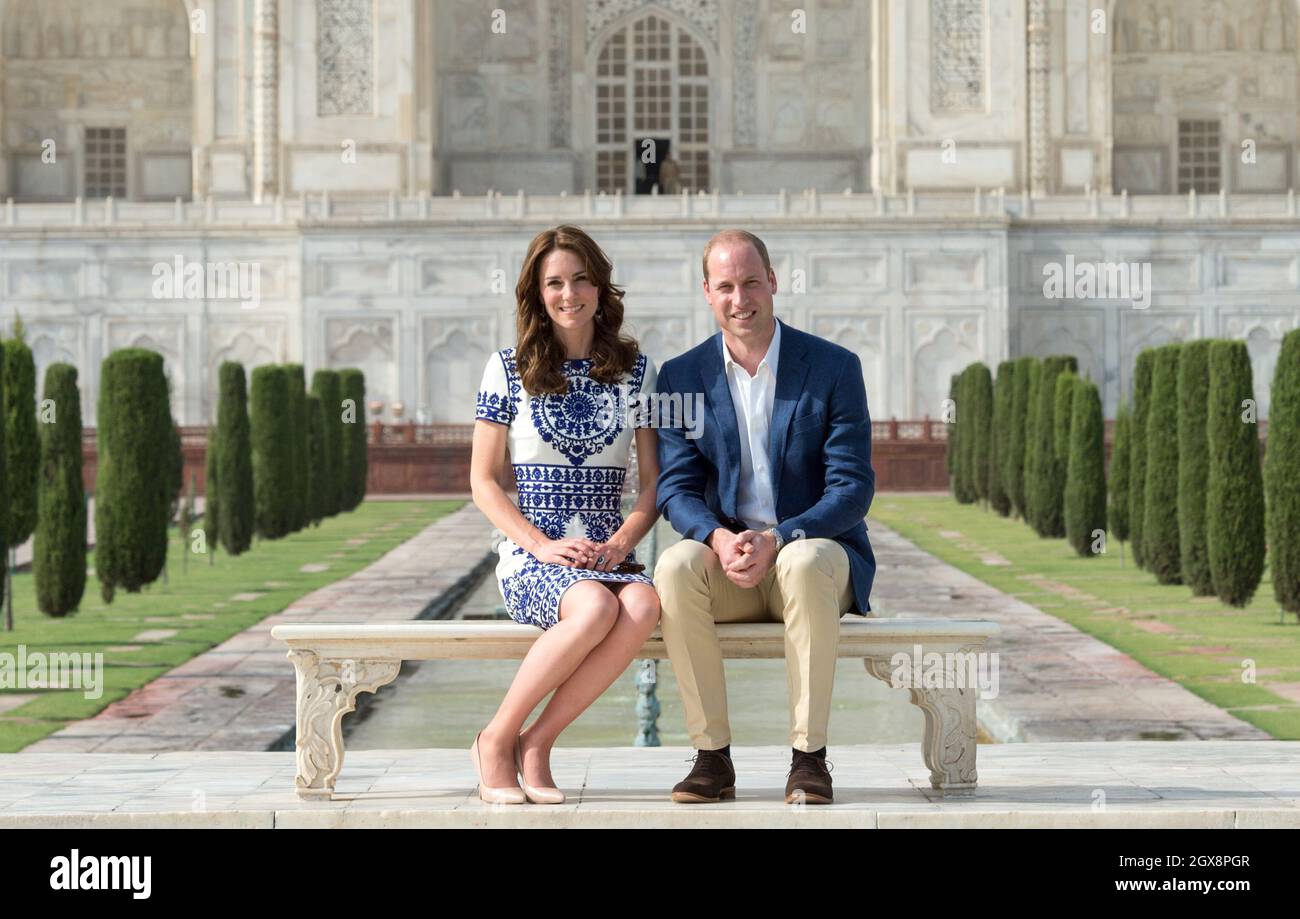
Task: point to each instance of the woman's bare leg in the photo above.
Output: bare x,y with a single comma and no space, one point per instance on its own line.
588,610
638,613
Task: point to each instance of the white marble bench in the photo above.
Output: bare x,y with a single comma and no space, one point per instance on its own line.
335,662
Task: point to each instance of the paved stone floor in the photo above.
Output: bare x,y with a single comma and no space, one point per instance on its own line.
1184,784
191,708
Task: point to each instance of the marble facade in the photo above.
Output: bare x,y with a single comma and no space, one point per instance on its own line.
357,152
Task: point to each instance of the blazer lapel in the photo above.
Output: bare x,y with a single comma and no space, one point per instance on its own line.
713,373
791,370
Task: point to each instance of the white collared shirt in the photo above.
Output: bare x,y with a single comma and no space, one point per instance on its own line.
753,398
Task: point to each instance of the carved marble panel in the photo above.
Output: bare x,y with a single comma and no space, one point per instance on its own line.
456,349
936,271
847,272
957,55
1141,329
1067,330
864,333
252,344
367,343
702,13
940,346
345,52
45,280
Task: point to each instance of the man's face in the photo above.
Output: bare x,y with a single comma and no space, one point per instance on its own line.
740,291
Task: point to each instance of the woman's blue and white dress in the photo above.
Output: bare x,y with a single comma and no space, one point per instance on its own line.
570,456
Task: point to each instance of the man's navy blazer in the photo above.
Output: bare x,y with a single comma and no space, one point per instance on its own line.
819,444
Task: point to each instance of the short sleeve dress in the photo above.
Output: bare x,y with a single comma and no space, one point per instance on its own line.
570,456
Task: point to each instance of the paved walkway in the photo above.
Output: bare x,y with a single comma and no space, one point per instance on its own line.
240,694
1211,784
1055,682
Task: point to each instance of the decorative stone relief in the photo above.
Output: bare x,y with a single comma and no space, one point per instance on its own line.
744,75
557,73
345,51
366,344
345,48
1147,26
660,337
942,346
1080,332
957,30
703,13
863,334
246,343
456,350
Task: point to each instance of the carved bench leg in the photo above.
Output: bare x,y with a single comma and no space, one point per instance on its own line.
327,690
948,746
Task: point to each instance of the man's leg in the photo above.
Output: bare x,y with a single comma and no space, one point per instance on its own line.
694,594
812,590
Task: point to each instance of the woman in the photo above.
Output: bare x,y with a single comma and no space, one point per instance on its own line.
557,402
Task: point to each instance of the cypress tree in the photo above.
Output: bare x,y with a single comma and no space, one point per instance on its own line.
966,424
1282,475
1085,478
298,433
1062,411
950,427
1119,475
1138,452
1234,524
982,395
1047,475
211,502
131,502
22,446
234,458
59,546
1014,463
1031,441
4,491
1193,465
1000,450
353,385
274,455
325,385
1160,538
319,473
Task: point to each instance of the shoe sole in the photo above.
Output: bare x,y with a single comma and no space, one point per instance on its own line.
807,798
689,797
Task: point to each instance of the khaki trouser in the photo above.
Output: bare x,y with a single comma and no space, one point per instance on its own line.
808,588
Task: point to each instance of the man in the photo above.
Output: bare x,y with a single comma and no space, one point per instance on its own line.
770,501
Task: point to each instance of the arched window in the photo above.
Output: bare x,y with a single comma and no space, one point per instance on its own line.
652,92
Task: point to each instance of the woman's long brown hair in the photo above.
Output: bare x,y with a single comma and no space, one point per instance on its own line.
539,355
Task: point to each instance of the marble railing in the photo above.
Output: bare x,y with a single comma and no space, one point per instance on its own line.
976,205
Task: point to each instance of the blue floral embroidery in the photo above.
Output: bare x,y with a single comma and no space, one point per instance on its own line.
497,406
550,445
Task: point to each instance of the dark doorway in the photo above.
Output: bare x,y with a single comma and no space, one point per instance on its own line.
655,149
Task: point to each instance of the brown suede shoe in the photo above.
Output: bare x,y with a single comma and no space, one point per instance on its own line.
712,779
810,780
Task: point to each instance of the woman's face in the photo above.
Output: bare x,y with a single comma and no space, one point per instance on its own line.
568,293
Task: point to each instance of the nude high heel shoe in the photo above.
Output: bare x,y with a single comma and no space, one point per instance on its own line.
507,795
542,795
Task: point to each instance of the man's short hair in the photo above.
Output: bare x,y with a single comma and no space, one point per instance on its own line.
733,235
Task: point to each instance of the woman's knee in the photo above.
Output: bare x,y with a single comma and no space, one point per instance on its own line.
640,604
593,605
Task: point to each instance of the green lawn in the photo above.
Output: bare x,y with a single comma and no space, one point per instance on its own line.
1199,642
200,605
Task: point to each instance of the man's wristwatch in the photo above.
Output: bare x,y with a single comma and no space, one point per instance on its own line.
776,537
